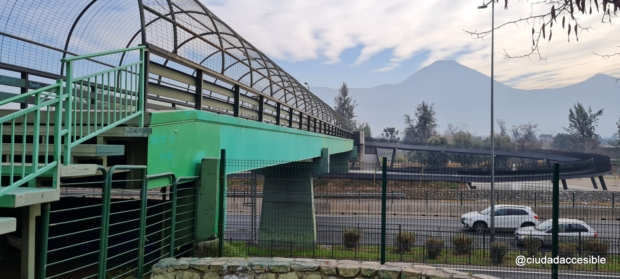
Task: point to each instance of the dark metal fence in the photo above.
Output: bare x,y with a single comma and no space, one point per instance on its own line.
274,210
122,232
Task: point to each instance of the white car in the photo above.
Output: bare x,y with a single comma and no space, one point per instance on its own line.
506,217
567,228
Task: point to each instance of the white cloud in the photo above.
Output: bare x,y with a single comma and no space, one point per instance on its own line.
299,30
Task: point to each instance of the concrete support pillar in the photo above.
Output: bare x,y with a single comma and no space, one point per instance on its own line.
208,200
594,183
603,185
287,215
340,162
394,150
564,184
29,214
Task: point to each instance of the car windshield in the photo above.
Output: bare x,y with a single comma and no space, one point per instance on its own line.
545,226
486,211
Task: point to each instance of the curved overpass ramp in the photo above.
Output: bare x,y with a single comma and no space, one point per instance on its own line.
572,165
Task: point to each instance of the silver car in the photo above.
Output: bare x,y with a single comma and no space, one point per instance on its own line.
567,229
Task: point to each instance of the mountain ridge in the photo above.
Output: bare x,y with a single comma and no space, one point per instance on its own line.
461,95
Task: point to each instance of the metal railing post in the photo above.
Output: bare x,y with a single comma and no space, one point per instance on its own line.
556,216
68,109
106,193
222,200
383,206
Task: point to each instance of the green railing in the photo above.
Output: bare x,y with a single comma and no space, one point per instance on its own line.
95,103
122,232
44,113
101,101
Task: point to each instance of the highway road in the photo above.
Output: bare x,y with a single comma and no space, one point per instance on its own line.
329,232
330,228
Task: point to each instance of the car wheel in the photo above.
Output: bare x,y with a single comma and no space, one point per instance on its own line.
480,227
527,224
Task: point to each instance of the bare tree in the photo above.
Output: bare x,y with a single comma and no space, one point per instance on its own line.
525,136
567,13
502,127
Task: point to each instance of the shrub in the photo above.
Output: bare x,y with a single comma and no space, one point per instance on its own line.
595,247
404,241
567,249
532,244
434,246
462,244
351,237
498,251
211,249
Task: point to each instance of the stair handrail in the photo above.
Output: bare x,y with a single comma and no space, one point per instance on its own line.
130,97
43,97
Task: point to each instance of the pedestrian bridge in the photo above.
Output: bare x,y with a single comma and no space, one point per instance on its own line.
92,89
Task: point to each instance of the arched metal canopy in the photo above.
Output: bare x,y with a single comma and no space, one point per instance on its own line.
36,35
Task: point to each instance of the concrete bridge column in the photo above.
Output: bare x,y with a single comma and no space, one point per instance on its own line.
288,214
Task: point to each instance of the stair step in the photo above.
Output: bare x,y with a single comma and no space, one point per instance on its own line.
82,150
114,132
24,196
7,225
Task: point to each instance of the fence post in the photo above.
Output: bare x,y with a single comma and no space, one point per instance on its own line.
400,244
613,200
142,232
222,206
383,206
573,199
173,216
556,216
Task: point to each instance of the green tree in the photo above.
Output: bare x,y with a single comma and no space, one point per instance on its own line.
424,126
363,126
562,141
390,134
581,128
345,105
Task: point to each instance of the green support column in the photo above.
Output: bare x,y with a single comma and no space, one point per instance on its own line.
208,200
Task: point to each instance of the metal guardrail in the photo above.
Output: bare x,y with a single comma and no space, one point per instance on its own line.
121,90
46,100
118,237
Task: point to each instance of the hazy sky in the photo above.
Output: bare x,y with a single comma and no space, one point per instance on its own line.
371,42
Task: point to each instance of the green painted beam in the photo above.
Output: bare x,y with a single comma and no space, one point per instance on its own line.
181,139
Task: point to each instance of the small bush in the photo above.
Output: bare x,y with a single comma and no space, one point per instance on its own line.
498,251
404,241
595,247
211,249
532,244
567,249
351,237
462,244
434,246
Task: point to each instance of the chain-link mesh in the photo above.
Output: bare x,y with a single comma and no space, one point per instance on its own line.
438,215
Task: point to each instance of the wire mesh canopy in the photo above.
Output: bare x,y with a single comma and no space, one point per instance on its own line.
36,35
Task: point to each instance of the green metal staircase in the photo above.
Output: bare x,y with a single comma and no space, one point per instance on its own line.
38,143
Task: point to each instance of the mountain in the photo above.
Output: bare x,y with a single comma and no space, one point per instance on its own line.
462,96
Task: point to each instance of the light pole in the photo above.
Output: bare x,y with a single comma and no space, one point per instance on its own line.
307,85
484,6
